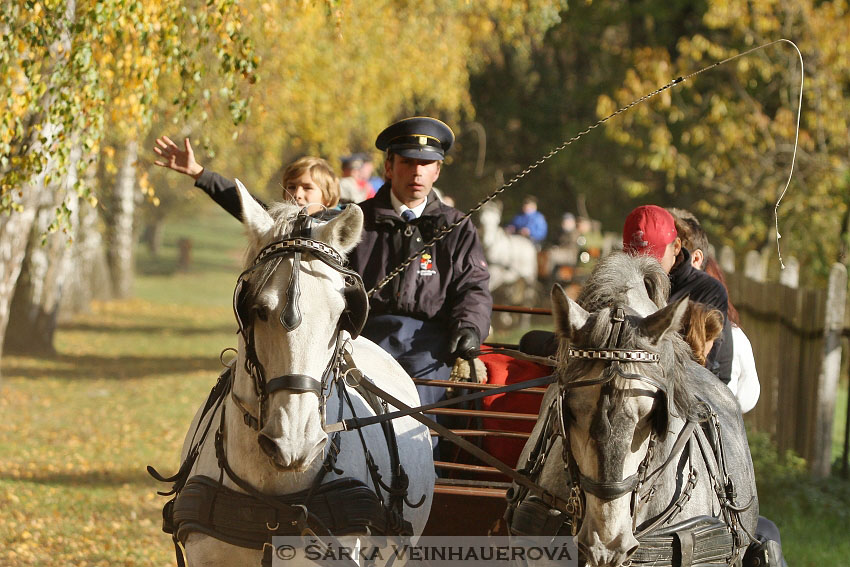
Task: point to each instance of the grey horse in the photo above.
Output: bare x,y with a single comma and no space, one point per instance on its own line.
641,445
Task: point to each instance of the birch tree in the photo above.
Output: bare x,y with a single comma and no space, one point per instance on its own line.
76,70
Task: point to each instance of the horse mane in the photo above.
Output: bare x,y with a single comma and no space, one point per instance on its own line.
616,273
607,289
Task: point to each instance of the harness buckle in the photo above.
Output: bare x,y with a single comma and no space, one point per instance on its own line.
574,507
356,382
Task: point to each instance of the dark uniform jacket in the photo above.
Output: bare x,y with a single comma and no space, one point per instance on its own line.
223,191
447,283
685,280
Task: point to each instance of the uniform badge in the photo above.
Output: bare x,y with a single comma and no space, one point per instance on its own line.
426,266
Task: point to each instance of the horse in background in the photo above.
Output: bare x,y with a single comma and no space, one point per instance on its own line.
512,261
270,464
639,443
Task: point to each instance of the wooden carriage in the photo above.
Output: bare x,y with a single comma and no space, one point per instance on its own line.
498,424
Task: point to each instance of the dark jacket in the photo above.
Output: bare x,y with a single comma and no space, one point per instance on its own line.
685,280
449,282
223,191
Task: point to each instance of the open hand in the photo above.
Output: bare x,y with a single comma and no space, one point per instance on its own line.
181,161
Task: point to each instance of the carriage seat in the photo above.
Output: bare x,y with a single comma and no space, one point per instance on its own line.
539,343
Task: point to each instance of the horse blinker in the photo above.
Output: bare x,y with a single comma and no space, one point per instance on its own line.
356,308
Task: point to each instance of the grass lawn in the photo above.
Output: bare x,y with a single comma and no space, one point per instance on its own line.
79,428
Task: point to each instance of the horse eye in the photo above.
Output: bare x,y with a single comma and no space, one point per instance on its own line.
261,313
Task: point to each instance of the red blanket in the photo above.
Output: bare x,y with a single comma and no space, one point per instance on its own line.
503,370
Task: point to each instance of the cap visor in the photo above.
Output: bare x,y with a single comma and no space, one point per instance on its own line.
426,153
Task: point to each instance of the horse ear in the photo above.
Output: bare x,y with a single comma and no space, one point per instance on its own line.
254,216
343,232
667,319
569,316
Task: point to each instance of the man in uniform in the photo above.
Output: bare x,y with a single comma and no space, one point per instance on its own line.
438,308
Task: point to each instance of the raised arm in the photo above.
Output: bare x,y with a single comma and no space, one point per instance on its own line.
181,161
220,189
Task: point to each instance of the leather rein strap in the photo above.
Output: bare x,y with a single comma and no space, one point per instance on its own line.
445,433
357,423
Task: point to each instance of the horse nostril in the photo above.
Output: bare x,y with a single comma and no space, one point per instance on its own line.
267,445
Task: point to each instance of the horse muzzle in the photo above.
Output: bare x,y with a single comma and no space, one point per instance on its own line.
290,456
606,554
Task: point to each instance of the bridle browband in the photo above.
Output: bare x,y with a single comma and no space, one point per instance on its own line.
614,354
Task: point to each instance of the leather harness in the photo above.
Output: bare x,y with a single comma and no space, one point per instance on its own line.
340,507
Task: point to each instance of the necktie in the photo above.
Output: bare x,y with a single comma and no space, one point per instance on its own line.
408,215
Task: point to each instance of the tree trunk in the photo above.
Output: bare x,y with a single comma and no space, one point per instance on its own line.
88,276
32,315
122,242
15,227
35,305
14,234
152,235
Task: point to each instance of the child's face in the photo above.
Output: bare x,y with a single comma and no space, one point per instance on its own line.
304,191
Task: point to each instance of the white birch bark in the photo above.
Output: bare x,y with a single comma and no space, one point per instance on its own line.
15,227
35,304
122,241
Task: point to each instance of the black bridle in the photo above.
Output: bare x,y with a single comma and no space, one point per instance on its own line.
298,242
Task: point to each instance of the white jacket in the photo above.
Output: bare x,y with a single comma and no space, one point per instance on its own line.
745,380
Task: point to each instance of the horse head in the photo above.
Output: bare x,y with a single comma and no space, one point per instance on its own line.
619,373
489,219
292,301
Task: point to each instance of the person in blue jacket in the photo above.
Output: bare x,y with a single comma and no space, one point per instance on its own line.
530,222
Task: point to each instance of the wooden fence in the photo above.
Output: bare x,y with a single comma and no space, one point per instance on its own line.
796,337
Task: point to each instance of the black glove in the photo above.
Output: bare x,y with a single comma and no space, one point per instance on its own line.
464,343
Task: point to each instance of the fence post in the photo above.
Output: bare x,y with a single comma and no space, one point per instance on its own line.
753,266
790,276
830,369
727,260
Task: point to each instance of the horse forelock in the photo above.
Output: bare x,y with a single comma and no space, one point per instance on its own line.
283,216
617,274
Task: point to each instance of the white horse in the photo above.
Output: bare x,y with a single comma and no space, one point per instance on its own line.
510,257
287,383
512,261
